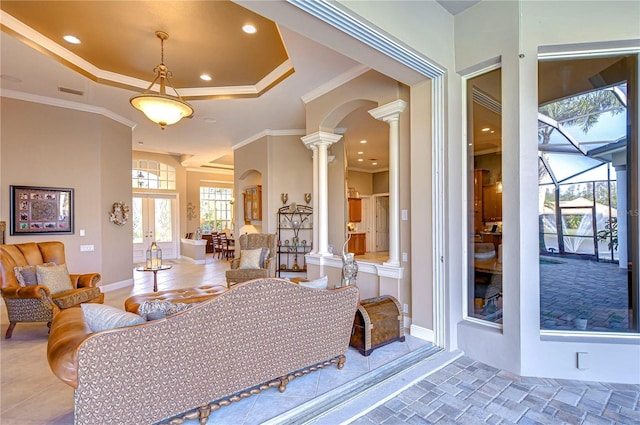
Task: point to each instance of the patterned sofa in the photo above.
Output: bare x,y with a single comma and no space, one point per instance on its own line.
257,335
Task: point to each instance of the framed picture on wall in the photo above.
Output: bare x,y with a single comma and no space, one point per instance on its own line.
41,210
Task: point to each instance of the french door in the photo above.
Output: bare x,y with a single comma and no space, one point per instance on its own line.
154,219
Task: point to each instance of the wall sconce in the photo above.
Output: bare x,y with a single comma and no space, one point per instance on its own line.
499,186
284,197
191,211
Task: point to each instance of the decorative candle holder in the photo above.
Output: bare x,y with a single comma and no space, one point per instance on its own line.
154,257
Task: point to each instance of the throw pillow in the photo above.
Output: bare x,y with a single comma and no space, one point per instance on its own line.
320,283
159,309
26,275
56,278
250,258
100,317
263,256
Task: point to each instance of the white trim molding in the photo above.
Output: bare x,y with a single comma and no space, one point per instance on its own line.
330,13
422,333
267,132
77,106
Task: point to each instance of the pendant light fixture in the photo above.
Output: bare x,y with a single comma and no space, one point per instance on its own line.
161,107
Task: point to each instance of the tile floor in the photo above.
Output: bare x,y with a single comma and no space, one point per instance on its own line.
444,388
469,392
570,286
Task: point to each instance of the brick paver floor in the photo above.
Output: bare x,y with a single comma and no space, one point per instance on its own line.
470,392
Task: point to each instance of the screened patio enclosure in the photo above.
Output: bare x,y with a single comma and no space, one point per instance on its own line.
584,157
578,187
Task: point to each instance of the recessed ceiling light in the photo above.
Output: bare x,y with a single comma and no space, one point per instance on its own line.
205,77
141,142
360,152
486,129
249,29
71,39
360,159
363,141
210,120
374,163
492,132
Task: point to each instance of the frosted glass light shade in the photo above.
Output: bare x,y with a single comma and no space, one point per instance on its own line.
161,109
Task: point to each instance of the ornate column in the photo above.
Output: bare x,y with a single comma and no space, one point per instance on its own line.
314,217
321,142
390,113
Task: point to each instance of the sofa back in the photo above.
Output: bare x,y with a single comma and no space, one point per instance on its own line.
258,331
30,253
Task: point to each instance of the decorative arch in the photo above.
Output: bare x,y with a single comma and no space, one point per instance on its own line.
333,118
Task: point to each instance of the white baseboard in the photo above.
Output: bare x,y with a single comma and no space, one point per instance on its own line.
422,333
116,285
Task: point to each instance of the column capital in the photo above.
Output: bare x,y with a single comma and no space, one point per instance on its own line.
390,111
320,138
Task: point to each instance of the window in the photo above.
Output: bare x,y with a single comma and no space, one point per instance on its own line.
152,175
215,209
484,171
588,280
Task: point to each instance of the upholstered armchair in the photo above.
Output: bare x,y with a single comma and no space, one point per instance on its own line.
30,300
243,269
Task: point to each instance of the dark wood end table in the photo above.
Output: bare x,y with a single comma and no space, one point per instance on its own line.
155,271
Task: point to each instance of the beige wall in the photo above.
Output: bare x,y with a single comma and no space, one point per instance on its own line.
251,166
360,181
381,181
115,168
291,172
92,156
281,164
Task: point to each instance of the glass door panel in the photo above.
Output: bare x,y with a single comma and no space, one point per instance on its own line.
154,219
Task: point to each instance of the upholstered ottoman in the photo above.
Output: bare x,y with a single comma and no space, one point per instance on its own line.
184,295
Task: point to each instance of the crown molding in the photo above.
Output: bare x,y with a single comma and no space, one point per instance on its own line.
334,83
265,133
366,32
76,63
50,101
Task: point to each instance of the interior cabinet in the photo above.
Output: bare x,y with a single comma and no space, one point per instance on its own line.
253,203
358,243
491,203
295,232
355,210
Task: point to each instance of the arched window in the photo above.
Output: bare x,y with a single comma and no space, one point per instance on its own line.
146,174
